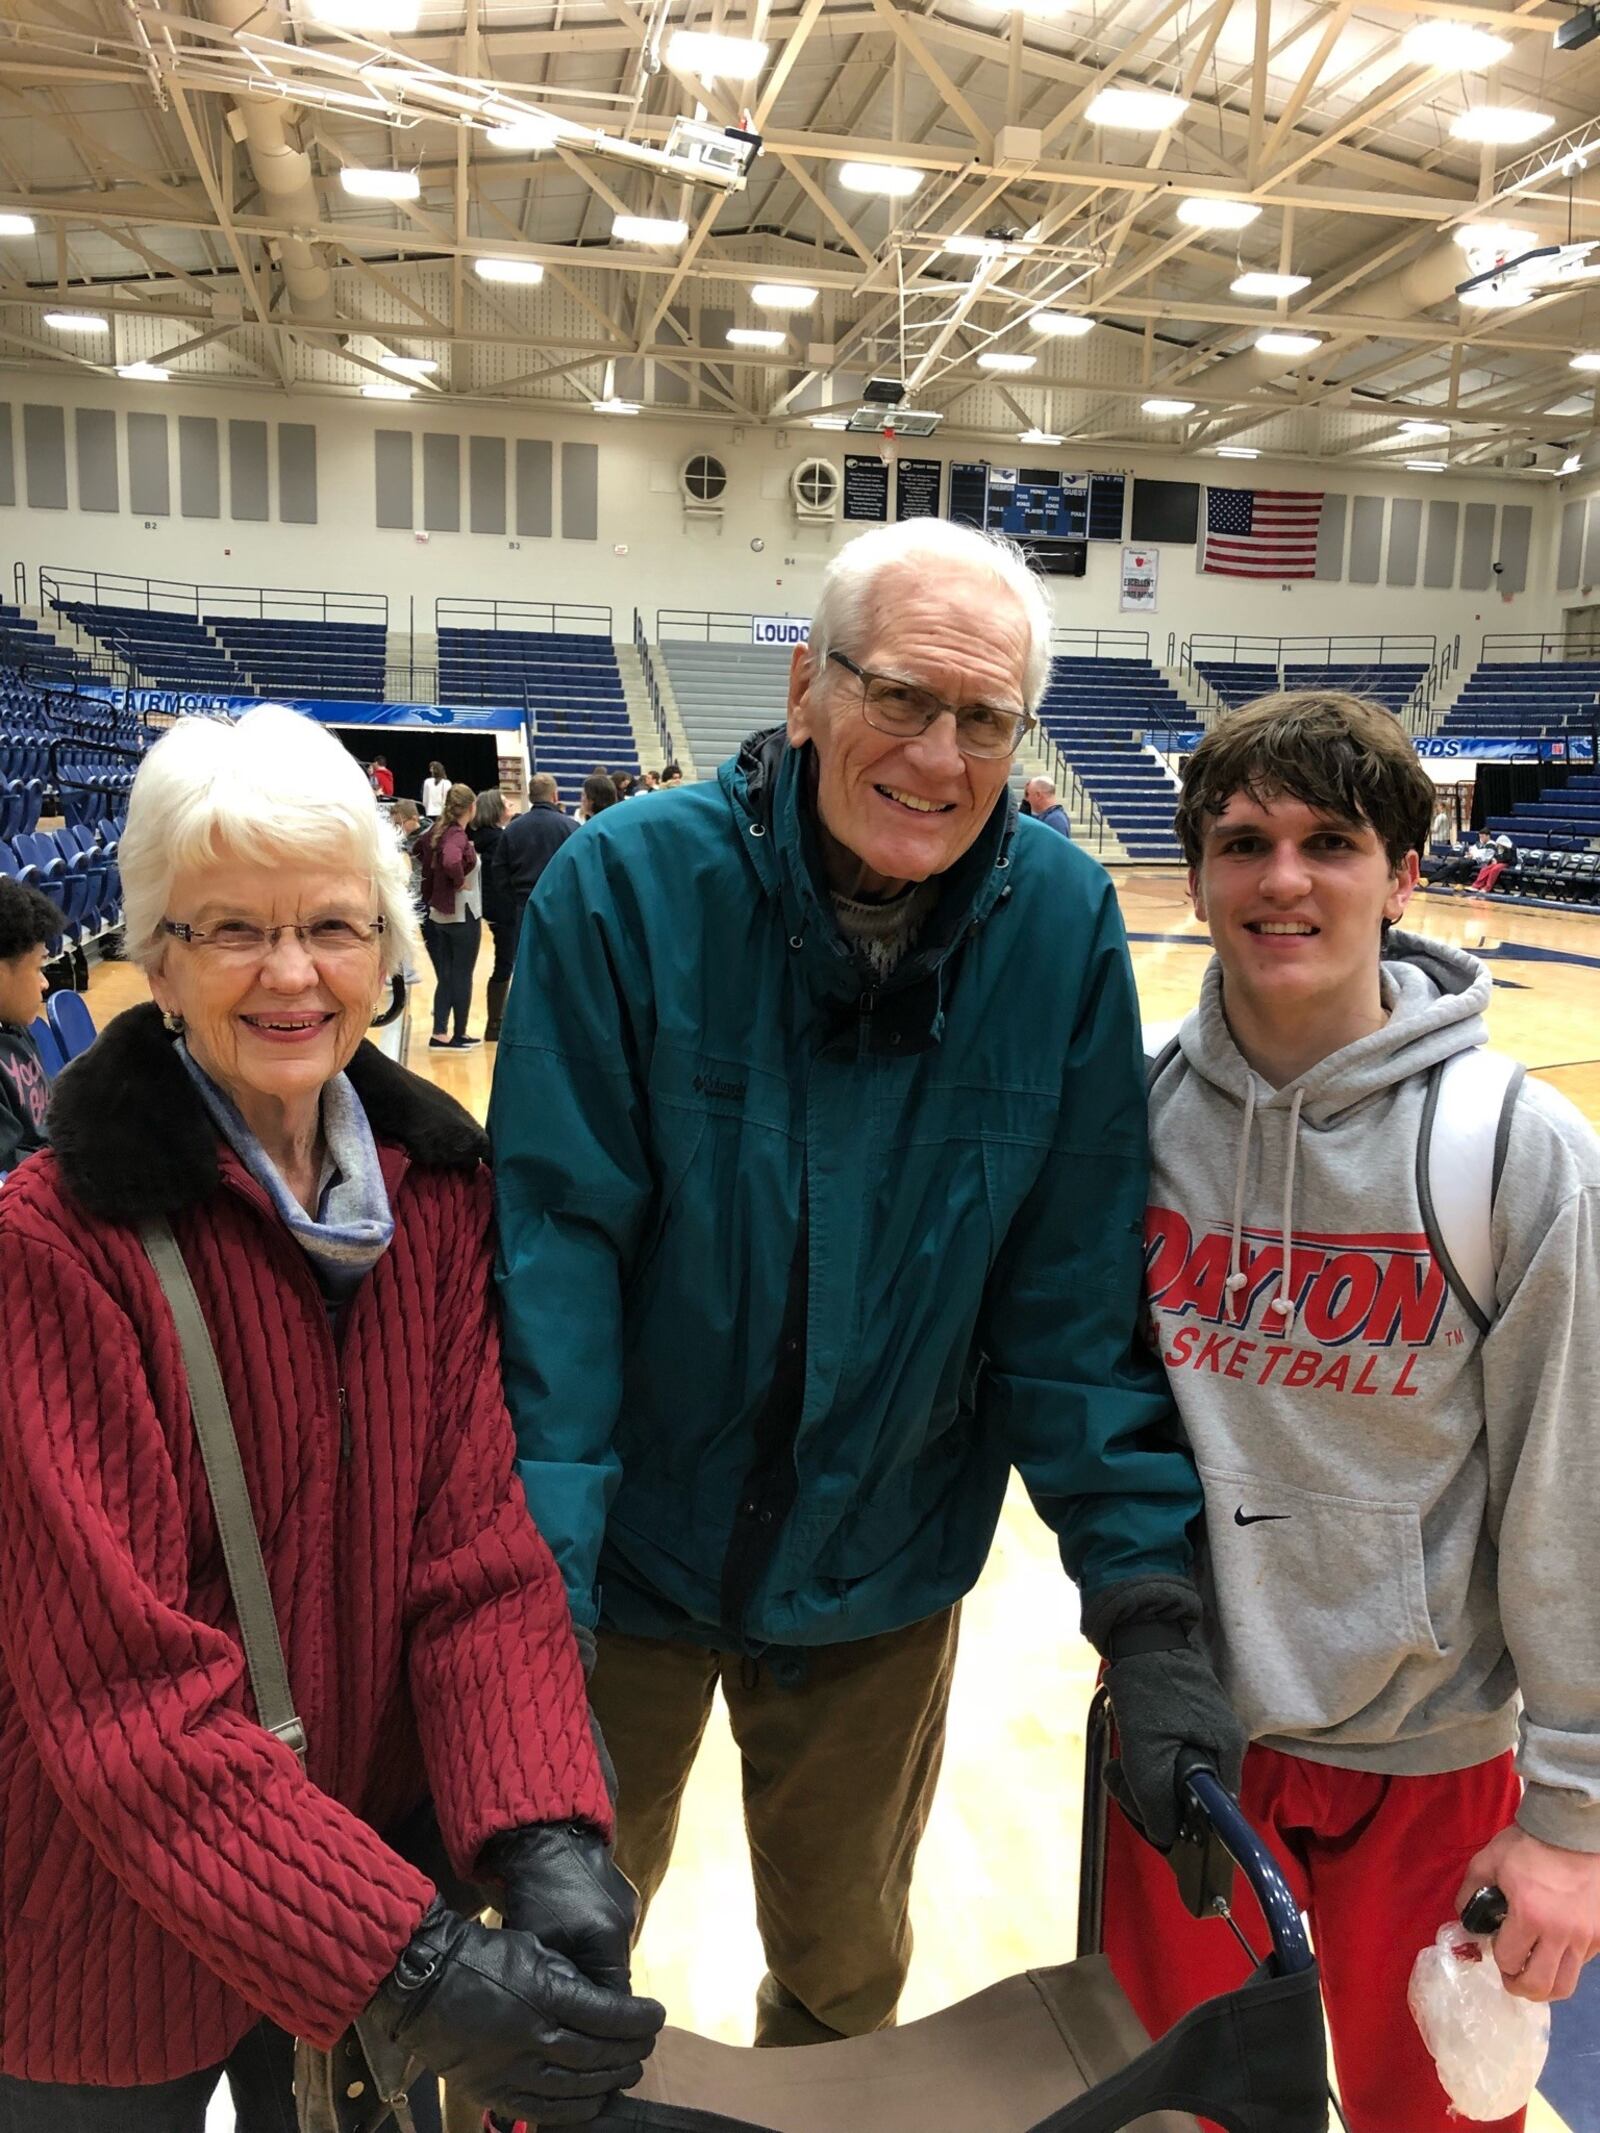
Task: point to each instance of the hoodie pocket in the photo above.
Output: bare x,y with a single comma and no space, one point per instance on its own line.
1319,1600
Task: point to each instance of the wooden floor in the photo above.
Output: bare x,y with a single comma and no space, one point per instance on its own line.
997,1884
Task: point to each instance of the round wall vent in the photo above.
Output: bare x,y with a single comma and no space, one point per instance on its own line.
814,485
703,479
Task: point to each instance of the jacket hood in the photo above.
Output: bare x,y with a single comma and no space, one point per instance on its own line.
769,786
1436,996
132,1138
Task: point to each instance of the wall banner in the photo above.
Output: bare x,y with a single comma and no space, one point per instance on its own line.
329,711
1514,748
779,629
1139,570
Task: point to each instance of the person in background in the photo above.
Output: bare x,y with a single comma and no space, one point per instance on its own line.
434,788
646,782
1503,854
623,781
1043,805
452,892
1400,1470
525,849
487,833
183,1895
816,1219
381,777
671,774
599,793
407,824
29,922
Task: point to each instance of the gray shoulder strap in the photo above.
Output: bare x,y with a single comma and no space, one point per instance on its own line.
1465,1119
230,1494
1160,1049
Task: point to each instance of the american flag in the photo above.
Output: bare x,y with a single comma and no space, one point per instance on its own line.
1261,533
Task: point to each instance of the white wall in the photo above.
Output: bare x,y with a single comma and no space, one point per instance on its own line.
650,555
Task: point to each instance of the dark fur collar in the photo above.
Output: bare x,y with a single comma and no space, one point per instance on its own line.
133,1138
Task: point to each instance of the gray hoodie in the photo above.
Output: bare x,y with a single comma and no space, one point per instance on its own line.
1403,1517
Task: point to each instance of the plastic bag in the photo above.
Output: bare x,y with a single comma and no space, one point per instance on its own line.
1488,2046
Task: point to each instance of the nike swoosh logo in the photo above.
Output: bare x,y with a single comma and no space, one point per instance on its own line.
1241,1517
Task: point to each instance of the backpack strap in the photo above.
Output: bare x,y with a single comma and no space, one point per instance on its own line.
1466,1120
1161,1047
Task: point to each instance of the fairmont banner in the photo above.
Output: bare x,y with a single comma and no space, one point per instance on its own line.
1510,748
328,710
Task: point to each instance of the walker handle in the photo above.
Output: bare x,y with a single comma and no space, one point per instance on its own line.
1290,1946
1485,1910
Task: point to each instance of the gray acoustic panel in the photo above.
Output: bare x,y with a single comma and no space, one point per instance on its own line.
441,483
247,470
534,514
1516,538
297,474
44,453
199,467
1330,538
1570,554
580,492
1366,539
8,468
149,472
392,465
1405,534
98,486
1591,545
1439,549
1477,547
486,484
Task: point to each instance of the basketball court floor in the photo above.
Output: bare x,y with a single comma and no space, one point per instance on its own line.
997,1885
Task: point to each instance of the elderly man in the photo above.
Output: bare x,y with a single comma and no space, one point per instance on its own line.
527,847
1039,795
818,1213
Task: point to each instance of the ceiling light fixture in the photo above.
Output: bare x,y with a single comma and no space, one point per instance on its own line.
648,229
1168,407
1288,344
527,271
1237,451
526,134
410,366
1136,110
1256,283
1499,125
1007,360
1416,428
379,184
383,18
16,226
715,58
895,181
147,373
614,406
1502,239
756,337
970,247
75,322
783,296
1061,325
1455,47
1586,359
1037,437
830,422
1205,214
372,390
1426,466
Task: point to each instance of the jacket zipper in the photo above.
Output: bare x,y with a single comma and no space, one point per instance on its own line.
344,1427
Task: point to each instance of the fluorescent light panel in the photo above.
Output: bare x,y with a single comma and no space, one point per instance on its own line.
1456,47
1586,359
1037,437
149,373
1288,344
1237,451
1256,283
895,181
783,296
1004,359
527,271
1502,238
1061,325
830,422
648,229
1136,110
1500,125
615,406
756,337
1168,407
75,322
1417,428
716,58
380,184
16,226
385,18
1217,214
525,135
1425,466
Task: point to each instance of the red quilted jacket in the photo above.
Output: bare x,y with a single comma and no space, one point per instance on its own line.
166,1869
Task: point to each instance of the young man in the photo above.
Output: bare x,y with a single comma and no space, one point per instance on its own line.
1399,1500
28,924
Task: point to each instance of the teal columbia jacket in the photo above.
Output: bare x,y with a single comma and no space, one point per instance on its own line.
794,1270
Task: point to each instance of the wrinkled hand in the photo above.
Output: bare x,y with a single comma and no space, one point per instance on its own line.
564,1887
512,2027
1552,1924
1164,1702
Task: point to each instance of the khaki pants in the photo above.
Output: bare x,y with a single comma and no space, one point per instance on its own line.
839,1773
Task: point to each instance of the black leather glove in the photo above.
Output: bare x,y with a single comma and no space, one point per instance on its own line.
510,2026
1165,1697
564,1887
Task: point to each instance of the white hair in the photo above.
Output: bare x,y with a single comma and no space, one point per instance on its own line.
271,787
851,578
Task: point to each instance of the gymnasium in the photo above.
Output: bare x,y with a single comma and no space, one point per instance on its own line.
494,381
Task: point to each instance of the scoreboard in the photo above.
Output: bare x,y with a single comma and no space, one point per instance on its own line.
1050,512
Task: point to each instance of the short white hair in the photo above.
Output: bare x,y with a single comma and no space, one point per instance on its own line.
273,786
850,579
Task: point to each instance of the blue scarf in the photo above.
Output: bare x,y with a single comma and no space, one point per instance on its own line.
353,1225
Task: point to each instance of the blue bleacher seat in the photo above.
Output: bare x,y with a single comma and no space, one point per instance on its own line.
70,1022
49,1048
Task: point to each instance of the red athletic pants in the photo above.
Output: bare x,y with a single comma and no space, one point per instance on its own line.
1374,1862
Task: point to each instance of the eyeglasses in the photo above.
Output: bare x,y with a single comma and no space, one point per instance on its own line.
891,705
236,940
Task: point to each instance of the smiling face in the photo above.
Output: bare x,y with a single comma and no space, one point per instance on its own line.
1295,900
894,810
272,1033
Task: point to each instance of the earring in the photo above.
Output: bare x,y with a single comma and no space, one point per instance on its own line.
173,1022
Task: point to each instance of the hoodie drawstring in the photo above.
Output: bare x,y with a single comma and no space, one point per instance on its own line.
1279,1305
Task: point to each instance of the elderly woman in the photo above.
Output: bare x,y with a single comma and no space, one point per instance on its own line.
177,1888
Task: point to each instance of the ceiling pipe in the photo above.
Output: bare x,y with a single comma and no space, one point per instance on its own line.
282,171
